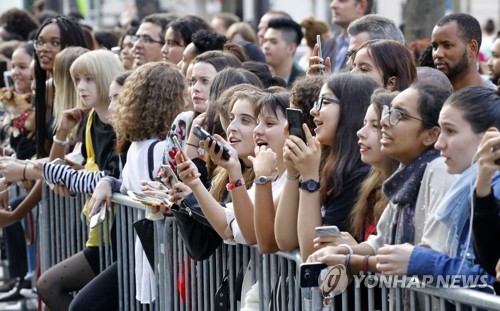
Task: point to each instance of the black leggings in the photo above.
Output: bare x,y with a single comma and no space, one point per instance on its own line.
56,284
99,294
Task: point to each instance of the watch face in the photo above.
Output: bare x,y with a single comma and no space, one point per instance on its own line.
311,185
261,180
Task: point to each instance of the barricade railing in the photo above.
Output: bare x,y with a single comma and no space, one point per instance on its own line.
186,284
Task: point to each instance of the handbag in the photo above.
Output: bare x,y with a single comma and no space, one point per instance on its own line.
145,232
199,237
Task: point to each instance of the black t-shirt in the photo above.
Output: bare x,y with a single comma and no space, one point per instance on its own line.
338,208
103,141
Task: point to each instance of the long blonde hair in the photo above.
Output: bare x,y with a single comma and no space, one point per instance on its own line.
66,96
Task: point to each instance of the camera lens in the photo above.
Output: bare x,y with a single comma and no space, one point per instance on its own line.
307,274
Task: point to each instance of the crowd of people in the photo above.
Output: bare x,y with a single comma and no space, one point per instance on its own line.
397,148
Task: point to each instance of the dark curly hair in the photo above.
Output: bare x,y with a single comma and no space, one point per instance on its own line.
305,91
205,40
18,23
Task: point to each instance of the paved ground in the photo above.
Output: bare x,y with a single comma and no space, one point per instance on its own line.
25,305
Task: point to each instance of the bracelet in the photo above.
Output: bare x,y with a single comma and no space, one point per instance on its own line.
349,248
292,177
235,183
24,170
347,264
365,264
60,142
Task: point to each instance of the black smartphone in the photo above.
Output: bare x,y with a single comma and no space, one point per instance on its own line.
199,132
295,119
320,51
3,68
309,273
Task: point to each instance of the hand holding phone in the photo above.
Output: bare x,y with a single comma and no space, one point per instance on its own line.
199,132
179,148
320,52
295,119
310,273
171,178
99,216
145,199
327,231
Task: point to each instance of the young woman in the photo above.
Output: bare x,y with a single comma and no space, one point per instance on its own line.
394,73
53,36
20,63
178,36
92,73
237,168
153,89
371,200
464,119
409,131
205,68
337,118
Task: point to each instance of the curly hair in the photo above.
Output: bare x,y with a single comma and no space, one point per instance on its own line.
305,91
18,23
152,97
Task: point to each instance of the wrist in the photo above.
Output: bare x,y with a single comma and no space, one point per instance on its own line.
308,176
482,190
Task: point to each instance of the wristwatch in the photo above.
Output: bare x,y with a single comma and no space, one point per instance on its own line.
262,180
310,185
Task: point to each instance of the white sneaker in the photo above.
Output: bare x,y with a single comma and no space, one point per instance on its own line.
29,293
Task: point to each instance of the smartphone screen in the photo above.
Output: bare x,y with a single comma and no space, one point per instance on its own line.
295,119
145,199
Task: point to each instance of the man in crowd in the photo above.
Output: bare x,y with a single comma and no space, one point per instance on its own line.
150,38
456,40
281,39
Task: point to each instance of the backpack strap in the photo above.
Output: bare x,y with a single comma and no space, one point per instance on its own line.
151,159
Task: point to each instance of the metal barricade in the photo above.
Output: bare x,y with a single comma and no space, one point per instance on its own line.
185,284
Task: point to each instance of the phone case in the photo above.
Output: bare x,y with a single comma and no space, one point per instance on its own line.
295,119
309,273
203,135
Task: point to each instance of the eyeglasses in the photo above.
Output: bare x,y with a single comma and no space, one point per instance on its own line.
145,39
319,103
395,115
39,44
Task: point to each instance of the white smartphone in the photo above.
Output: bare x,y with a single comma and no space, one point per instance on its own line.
320,51
99,216
327,231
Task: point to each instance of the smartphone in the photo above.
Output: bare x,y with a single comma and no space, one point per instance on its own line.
179,147
327,231
199,132
99,216
320,51
8,80
310,273
295,119
171,177
145,199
